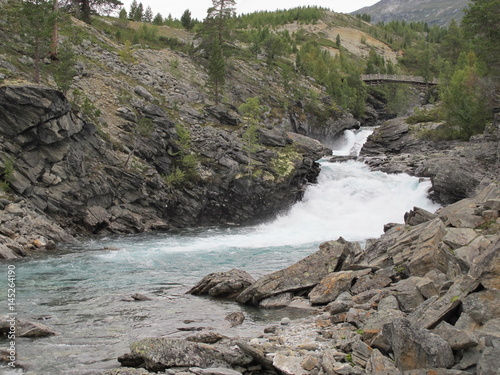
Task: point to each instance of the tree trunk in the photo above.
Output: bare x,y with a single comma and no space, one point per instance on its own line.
86,11
55,34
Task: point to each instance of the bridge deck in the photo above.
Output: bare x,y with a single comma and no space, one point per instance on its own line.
375,79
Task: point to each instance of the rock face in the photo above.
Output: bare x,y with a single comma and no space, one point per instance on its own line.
457,169
66,171
223,284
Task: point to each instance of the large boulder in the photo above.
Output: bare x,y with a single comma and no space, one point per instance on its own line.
416,348
223,284
158,354
303,275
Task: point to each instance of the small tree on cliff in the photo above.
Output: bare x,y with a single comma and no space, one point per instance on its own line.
481,24
216,71
34,21
186,20
464,99
214,32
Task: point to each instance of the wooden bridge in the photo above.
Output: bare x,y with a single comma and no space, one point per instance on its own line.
377,79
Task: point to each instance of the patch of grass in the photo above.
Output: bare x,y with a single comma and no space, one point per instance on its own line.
424,115
145,127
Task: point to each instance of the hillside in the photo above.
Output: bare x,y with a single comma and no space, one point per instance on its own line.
434,12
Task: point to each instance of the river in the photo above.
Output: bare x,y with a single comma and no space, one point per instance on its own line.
83,292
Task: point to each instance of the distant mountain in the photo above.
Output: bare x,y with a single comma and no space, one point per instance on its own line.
434,12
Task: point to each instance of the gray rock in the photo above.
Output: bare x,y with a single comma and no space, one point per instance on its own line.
158,354
408,294
207,337
126,371
488,363
214,371
458,339
378,364
276,302
25,328
289,365
458,237
482,306
235,318
223,284
418,216
361,353
388,303
331,286
416,348
143,93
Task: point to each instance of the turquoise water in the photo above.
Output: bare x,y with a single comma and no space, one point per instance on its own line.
84,292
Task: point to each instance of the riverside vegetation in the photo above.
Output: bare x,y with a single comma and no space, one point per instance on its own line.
130,125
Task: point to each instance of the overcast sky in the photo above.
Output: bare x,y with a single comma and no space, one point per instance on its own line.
199,8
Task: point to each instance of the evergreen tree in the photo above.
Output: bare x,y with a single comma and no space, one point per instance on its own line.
133,10
464,99
216,70
453,42
65,69
34,20
148,14
186,20
221,12
139,13
86,7
481,24
158,20
123,14
214,33
337,41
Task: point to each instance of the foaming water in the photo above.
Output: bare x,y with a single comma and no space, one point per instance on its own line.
84,292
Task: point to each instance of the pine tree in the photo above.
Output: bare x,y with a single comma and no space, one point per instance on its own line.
216,70
214,34
218,16
35,21
148,14
464,99
85,8
186,20
133,10
139,13
123,14
481,24
158,20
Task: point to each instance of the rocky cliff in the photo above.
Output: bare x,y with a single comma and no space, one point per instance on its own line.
457,169
60,169
439,12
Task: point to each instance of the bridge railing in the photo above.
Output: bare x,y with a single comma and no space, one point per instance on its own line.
397,78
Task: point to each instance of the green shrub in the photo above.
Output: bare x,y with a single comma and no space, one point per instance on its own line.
175,178
145,126
423,115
